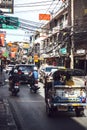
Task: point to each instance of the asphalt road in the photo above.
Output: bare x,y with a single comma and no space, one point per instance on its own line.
29,112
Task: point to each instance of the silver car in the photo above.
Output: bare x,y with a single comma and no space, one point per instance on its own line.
45,71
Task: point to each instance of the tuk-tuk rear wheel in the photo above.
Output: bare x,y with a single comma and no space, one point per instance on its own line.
49,111
79,112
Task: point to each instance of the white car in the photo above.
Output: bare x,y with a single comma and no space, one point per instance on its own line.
45,71
9,68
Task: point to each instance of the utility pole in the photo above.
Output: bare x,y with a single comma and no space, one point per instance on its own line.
72,33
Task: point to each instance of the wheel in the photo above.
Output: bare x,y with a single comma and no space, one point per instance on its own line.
35,91
32,89
48,111
79,112
14,94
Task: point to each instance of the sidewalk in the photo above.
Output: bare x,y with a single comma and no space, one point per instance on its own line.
2,78
6,118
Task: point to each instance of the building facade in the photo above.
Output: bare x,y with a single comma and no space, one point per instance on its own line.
64,36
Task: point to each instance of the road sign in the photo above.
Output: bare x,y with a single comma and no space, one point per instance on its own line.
63,51
7,22
35,58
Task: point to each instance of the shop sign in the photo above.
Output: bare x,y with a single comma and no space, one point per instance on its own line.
26,45
2,39
63,51
80,51
44,16
35,58
30,58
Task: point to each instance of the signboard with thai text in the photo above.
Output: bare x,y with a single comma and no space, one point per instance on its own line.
44,17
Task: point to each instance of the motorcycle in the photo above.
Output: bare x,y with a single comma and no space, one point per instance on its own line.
15,89
34,86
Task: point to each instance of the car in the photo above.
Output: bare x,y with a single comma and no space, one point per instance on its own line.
9,68
45,71
55,69
25,69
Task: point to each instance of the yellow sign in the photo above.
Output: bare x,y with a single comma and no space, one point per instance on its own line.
85,11
36,58
26,45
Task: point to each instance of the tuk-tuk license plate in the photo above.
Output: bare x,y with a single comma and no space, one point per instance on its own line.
62,108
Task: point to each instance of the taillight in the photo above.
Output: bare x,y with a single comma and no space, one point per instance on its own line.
83,100
85,83
36,81
17,83
19,73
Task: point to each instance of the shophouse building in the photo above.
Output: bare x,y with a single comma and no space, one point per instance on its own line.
64,37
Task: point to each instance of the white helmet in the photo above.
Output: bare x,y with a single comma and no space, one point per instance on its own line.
15,71
35,68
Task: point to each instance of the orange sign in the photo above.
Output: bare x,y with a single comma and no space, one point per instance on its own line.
12,55
10,44
14,49
44,16
35,58
2,39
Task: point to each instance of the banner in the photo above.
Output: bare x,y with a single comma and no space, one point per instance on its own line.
35,58
2,39
14,49
13,54
44,17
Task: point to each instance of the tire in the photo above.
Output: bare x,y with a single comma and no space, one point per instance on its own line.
48,111
79,112
35,91
14,94
32,89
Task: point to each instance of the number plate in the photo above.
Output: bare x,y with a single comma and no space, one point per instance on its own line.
16,87
62,108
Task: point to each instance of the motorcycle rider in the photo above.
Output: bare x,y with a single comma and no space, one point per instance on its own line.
13,78
34,77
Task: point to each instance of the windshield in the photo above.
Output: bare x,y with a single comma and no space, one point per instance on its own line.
71,72
48,69
26,68
75,72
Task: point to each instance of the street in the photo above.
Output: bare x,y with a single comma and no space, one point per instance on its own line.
29,112
48,38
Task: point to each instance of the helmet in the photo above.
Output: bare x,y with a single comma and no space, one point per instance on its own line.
15,71
35,68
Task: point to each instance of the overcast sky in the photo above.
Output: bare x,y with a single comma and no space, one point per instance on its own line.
30,12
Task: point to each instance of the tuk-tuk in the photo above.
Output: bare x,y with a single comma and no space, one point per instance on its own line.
61,95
